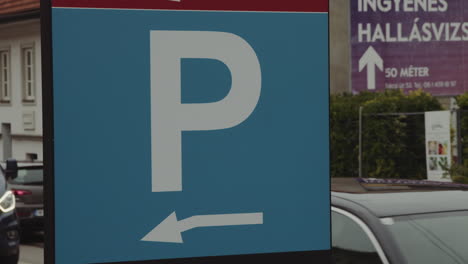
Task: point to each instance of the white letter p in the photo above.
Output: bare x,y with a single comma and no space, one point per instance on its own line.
169,117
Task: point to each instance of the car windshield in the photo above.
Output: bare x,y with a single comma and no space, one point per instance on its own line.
432,238
29,176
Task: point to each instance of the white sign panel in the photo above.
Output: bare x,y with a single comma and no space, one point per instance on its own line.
438,148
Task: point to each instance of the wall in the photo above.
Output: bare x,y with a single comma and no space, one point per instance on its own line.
339,46
13,36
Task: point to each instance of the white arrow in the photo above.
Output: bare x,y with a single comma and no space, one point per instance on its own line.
370,59
170,230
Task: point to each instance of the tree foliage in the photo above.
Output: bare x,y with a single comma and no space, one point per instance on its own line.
458,173
393,145
462,101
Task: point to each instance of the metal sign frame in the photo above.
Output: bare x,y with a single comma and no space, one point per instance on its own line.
320,256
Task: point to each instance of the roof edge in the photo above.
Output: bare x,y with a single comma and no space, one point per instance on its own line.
35,13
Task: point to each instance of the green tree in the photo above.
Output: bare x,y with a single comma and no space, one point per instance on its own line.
462,101
394,145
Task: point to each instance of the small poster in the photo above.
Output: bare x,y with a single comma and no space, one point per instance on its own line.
438,148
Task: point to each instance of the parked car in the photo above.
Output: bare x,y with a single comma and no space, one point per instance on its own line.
9,226
399,222
27,187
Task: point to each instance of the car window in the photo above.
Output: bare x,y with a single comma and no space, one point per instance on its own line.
2,179
351,245
29,176
433,238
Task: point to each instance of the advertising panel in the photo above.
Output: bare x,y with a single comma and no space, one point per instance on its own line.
408,45
438,147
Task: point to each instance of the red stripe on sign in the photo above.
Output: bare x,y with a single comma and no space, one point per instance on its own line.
208,5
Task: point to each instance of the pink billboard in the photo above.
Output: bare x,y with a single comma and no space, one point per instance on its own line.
409,45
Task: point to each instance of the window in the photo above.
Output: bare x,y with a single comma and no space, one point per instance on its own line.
29,176
2,178
351,244
432,238
31,156
29,93
5,93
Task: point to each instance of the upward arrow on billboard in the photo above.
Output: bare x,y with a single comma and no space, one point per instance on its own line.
370,59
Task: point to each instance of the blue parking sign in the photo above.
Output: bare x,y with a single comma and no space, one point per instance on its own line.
188,132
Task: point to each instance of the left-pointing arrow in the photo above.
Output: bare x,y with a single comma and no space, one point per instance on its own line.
170,230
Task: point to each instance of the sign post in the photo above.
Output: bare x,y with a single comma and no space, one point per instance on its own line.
186,131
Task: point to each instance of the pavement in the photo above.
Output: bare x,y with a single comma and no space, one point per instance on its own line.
32,250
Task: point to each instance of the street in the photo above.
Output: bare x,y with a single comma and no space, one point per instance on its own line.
32,250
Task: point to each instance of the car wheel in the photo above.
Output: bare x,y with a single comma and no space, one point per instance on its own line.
13,259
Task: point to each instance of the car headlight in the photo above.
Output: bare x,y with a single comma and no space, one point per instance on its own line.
7,202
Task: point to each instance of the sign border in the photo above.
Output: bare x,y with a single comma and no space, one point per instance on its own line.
301,257
300,6
48,130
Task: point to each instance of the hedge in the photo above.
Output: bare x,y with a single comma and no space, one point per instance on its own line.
462,101
393,146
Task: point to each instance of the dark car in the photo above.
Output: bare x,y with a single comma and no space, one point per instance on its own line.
9,227
27,187
399,222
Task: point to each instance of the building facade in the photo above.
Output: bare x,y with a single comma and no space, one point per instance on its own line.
340,47
20,80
